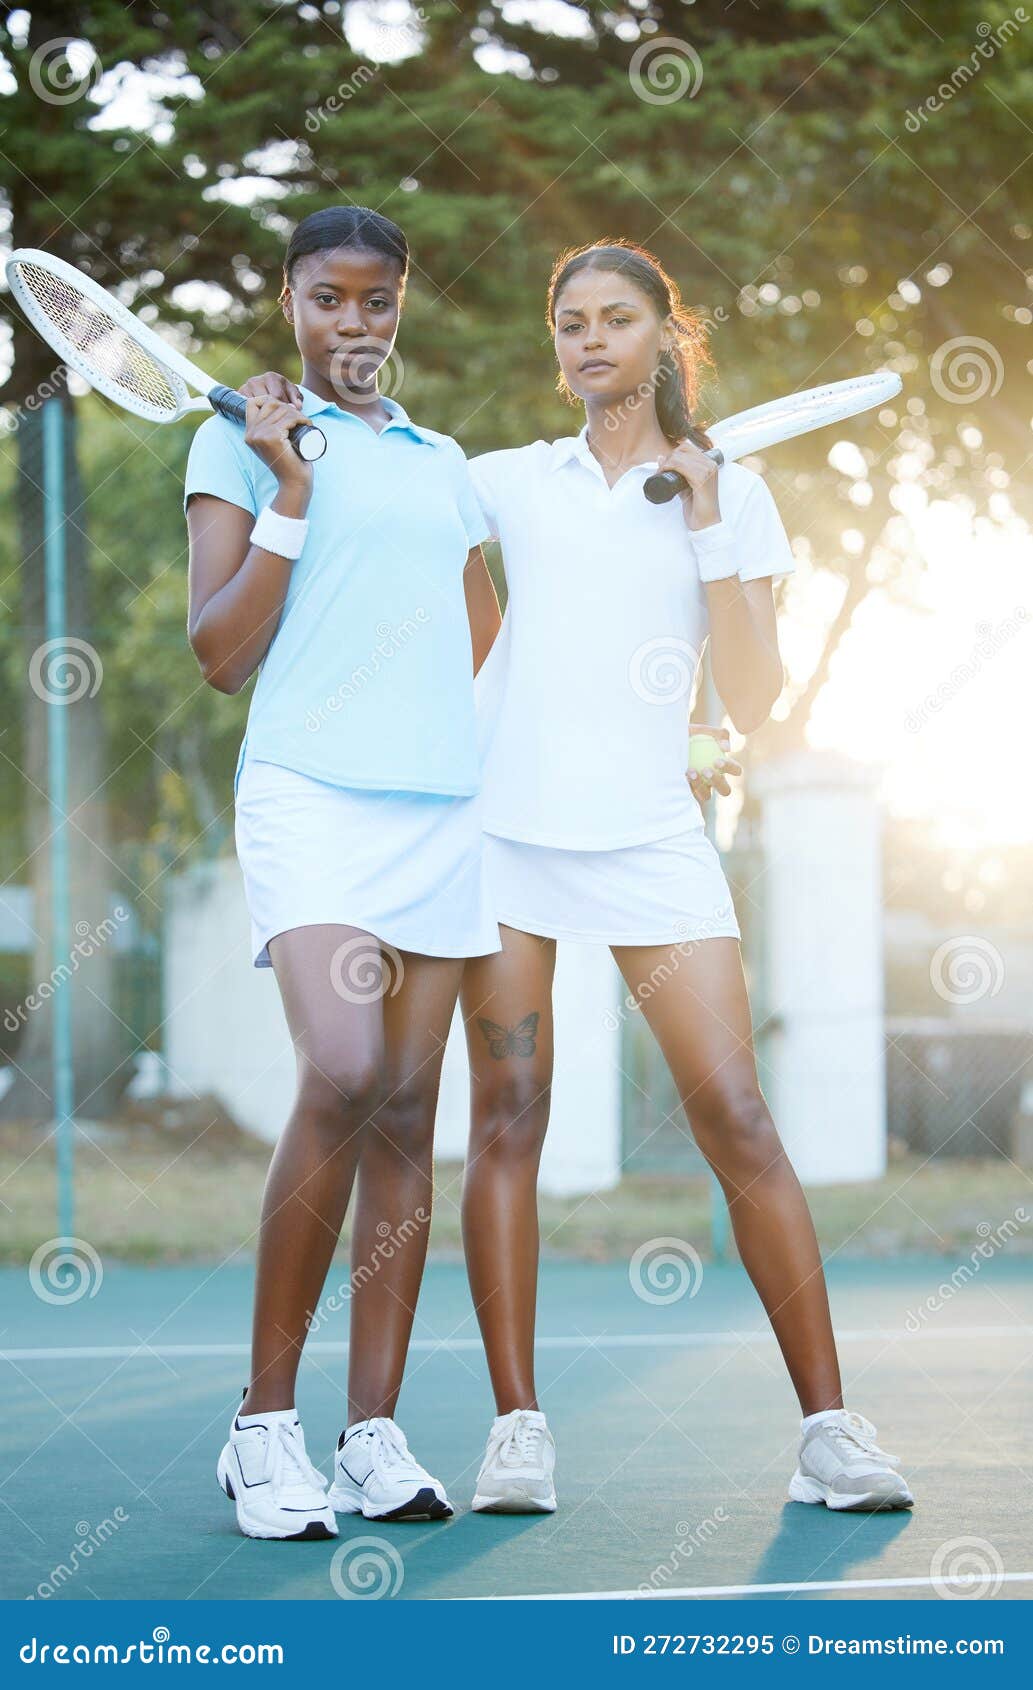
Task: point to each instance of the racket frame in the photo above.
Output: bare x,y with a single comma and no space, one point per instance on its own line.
843,399
216,396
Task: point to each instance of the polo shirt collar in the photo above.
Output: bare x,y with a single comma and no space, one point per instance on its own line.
312,406
571,447
574,448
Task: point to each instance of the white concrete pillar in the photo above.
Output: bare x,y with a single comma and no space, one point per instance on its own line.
822,899
225,1033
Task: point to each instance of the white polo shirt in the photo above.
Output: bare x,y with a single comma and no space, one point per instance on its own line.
583,701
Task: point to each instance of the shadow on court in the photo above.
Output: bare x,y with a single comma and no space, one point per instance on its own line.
675,1425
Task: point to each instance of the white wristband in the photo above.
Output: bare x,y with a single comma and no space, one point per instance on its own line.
283,535
714,550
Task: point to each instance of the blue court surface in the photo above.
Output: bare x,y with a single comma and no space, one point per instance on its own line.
675,1425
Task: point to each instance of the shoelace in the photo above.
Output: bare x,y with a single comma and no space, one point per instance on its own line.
859,1434
389,1446
286,1461
521,1445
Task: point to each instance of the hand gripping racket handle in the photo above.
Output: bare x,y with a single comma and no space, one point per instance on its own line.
666,483
308,441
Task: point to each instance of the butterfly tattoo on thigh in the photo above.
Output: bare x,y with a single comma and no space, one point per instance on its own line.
510,1041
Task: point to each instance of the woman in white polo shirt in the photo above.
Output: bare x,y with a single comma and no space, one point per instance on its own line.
595,835
361,596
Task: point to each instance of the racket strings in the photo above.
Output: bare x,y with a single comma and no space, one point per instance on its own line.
99,347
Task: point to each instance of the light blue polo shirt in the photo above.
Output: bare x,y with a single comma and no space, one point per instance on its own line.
368,681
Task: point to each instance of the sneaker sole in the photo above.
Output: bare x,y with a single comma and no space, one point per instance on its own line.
314,1531
802,1489
517,1502
425,1505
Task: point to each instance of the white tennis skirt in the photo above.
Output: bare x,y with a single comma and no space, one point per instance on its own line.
660,893
406,867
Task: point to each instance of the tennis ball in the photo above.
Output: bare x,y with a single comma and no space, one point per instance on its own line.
704,752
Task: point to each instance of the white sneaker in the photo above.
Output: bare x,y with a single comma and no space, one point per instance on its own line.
264,1469
375,1475
842,1466
516,1474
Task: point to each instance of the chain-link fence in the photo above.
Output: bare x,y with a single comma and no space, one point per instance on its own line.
955,1091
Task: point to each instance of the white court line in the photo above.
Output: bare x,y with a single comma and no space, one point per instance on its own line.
574,1341
758,1589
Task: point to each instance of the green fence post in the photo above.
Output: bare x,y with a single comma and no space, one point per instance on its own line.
57,792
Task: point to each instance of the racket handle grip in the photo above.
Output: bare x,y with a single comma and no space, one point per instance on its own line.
308,441
660,488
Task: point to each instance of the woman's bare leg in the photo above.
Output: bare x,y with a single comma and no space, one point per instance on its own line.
694,999
507,1008
338,1044
395,1189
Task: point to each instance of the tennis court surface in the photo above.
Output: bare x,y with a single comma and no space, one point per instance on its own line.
675,1426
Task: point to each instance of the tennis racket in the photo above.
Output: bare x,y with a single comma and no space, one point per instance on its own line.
118,354
781,419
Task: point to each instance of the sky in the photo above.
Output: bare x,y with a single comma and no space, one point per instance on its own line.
937,695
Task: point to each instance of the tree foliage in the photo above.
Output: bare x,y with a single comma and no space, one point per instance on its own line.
786,189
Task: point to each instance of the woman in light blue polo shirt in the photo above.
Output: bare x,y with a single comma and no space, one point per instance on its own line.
357,589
